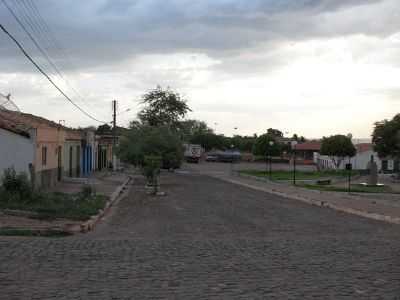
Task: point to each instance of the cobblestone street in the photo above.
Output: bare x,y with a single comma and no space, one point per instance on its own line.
208,239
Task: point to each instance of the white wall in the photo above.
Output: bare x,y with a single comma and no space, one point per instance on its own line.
359,161
15,151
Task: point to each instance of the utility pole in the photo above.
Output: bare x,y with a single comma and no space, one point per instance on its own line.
114,131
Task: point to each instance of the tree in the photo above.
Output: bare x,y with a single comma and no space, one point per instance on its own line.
386,137
190,128
163,108
104,129
262,146
243,143
143,140
337,147
275,132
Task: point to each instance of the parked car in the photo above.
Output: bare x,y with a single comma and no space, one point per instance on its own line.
229,156
212,157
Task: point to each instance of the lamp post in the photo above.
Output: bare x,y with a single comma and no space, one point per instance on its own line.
271,144
294,143
232,158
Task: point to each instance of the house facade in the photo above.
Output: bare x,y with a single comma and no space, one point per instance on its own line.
72,165
49,152
104,151
17,147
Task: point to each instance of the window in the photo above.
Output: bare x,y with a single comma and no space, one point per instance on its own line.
44,155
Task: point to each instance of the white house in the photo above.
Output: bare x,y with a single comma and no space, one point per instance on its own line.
17,147
359,161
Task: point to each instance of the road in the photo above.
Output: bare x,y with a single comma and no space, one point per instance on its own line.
208,239
219,167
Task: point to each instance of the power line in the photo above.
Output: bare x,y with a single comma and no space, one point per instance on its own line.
32,38
33,22
47,76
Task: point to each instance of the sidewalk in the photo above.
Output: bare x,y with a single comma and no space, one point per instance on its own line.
104,183
375,206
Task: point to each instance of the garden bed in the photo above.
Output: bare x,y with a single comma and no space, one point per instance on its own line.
48,206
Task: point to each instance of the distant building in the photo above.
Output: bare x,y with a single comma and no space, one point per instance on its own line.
305,151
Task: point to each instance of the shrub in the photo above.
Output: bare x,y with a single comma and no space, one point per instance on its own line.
87,191
151,168
16,183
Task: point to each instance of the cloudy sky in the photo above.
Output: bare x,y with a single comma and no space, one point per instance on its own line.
312,67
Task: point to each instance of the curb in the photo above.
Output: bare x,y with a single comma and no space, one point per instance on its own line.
90,224
373,216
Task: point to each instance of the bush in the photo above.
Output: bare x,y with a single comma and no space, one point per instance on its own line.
151,168
141,141
16,183
87,191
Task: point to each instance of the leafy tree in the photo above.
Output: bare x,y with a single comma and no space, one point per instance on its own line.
163,108
274,132
243,143
210,141
386,137
262,146
337,147
143,140
151,169
190,128
104,129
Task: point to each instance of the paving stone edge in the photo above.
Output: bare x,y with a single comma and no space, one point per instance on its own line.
90,224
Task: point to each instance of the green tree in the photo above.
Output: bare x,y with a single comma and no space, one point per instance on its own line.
337,147
104,129
243,143
274,132
190,128
386,137
143,140
163,108
210,141
262,146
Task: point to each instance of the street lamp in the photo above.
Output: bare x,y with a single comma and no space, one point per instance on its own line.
232,158
294,144
271,144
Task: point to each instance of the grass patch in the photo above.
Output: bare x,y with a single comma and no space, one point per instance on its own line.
300,175
354,188
9,231
78,206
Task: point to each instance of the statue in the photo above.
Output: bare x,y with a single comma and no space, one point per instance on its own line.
373,172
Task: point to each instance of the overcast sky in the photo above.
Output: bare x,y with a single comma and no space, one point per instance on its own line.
312,67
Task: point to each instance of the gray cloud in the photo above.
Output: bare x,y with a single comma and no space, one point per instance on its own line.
107,32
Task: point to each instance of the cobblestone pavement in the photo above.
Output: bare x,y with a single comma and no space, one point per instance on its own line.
208,239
